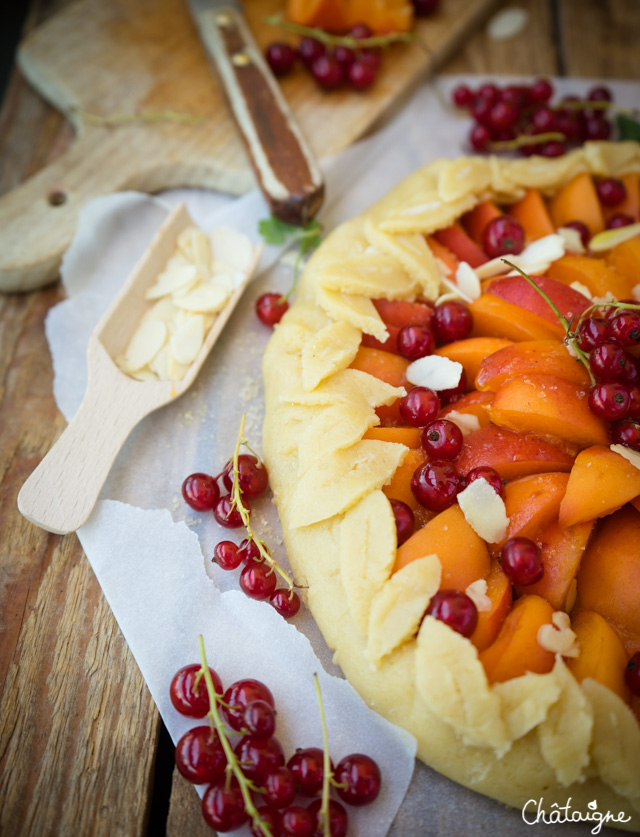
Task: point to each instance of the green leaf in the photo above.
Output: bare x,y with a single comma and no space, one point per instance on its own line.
628,128
275,231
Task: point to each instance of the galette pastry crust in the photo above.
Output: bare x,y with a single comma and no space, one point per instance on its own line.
535,736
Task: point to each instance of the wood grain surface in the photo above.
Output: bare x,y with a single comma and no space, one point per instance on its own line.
78,729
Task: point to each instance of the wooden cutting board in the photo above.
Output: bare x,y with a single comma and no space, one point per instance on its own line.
111,58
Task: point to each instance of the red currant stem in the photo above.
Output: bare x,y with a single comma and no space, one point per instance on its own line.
526,139
236,502
338,40
571,336
327,774
233,765
585,104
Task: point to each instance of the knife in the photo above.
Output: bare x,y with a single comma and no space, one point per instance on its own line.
285,168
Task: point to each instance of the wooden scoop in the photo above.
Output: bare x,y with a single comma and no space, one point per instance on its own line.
62,491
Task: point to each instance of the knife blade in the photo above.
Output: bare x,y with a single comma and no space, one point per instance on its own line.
285,168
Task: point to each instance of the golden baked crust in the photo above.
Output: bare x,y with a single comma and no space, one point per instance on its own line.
533,736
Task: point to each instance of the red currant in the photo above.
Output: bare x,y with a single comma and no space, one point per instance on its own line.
435,485
442,439
611,191
462,96
516,94
360,779
279,787
309,49
479,137
592,331
345,57
338,819
249,551
200,756
456,610
419,406
582,229
521,561
296,821
280,57
597,127
451,321
632,674
223,805
327,72
490,475
600,94
634,401
286,602
270,818
501,236
490,92
626,433
625,328
271,308
227,555
188,690
200,491
553,148
621,219
405,520
259,719
239,695
361,75
610,362
609,400
481,111
259,756
227,514
253,477
541,90
543,120
415,341
307,766
258,581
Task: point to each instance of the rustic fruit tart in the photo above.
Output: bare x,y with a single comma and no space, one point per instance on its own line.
453,454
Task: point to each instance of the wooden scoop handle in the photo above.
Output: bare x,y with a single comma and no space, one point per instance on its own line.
62,491
284,165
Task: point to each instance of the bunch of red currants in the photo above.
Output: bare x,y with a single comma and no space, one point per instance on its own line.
252,781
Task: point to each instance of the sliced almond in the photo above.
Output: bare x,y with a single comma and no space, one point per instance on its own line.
572,240
484,510
173,279
233,247
187,341
629,454
145,344
434,372
467,281
467,422
609,238
205,297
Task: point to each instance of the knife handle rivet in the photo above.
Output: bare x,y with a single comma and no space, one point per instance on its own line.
224,19
241,59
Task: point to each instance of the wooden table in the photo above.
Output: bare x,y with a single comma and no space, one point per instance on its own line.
82,748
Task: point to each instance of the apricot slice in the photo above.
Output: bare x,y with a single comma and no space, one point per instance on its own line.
454,238
532,213
399,487
462,553
472,352
609,576
595,274
578,201
409,436
562,551
472,403
602,655
625,258
387,367
531,356
443,253
511,454
477,219
400,312
495,317
547,406
516,651
600,482
532,503
519,291
500,592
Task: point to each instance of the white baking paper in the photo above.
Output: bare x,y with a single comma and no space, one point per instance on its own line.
152,554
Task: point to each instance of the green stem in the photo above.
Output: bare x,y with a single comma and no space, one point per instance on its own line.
233,766
328,775
338,40
236,502
526,139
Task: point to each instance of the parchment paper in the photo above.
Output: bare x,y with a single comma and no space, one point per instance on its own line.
152,554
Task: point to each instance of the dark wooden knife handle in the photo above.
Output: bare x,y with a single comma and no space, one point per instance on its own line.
284,165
